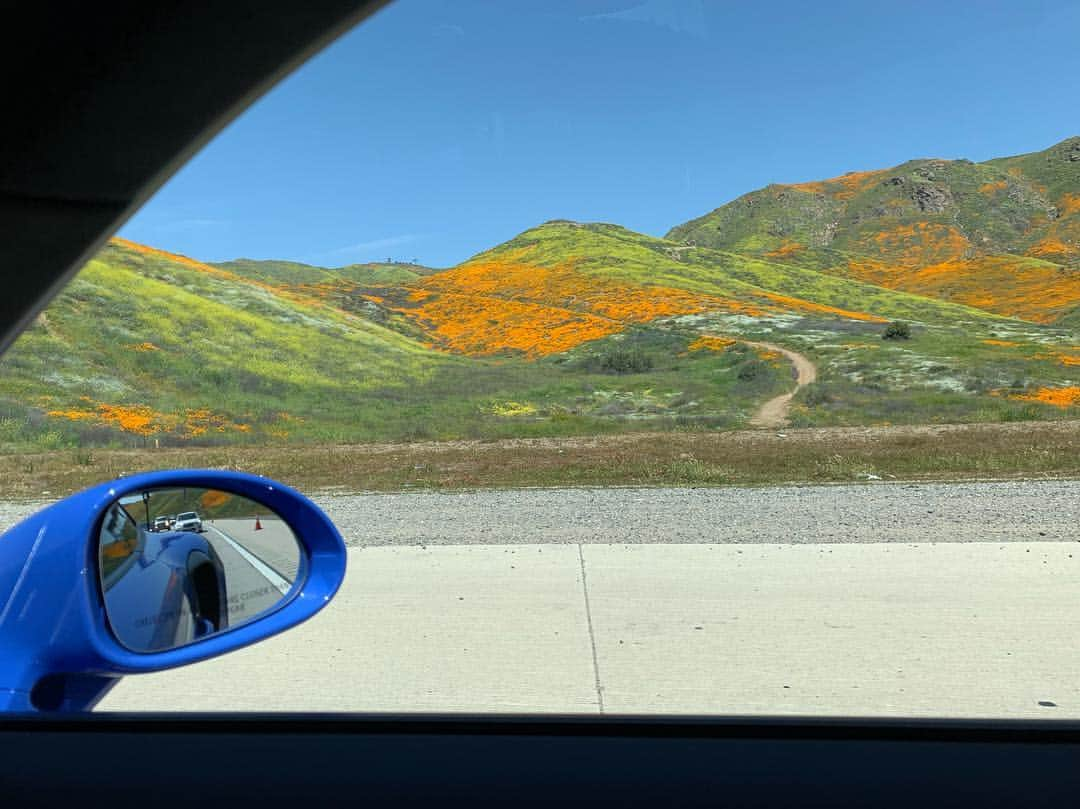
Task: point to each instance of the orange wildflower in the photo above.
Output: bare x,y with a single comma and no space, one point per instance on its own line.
71,415
710,343
1069,203
1007,285
487,307
1052,246
179,259
138,419
214,498
1064,359
786,250
1059,397
916,244
843,187
145,421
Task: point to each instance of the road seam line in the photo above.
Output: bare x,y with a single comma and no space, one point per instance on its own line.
592,634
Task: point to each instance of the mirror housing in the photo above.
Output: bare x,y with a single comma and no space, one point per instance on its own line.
59,653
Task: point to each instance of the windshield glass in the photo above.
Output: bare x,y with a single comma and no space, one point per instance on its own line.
652,356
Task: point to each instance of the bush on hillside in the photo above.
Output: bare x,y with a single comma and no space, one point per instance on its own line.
752,369
897,330
817,395
619,360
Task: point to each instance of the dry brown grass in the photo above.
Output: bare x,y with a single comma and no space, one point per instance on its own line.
940,452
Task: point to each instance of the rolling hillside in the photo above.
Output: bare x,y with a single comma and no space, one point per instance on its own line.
585,328
151,344
149,348
1003,235
565,283
565,288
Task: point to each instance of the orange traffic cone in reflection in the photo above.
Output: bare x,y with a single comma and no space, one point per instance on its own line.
258,525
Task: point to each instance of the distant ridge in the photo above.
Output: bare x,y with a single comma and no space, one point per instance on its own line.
1003,235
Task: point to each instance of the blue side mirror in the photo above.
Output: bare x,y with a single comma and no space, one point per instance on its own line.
151,572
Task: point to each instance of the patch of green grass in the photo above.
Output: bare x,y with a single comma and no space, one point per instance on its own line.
940,375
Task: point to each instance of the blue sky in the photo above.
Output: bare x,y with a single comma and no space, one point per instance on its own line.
440,128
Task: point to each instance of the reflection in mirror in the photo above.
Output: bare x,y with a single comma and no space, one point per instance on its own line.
180,564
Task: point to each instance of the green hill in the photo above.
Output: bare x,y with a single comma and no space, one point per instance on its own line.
566,289
1003,235
611,252
144,343
152,349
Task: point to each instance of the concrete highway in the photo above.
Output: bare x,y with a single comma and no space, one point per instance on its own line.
982,624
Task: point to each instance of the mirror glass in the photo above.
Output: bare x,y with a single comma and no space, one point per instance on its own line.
180,564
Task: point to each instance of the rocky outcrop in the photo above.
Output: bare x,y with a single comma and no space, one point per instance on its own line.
931,198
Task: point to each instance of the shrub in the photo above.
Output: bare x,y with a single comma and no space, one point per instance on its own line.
817,395
619,360
751,369
897,330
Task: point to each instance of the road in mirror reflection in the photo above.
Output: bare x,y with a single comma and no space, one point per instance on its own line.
181,564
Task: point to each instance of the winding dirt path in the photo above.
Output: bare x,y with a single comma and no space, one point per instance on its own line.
774,413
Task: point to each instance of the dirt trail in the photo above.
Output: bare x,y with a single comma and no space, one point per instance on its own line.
774,413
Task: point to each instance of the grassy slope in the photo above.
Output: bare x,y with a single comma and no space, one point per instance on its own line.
144,346
1002,235
611,251
962,364
160,338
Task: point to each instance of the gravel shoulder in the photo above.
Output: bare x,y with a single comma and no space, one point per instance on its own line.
1013,511
889,512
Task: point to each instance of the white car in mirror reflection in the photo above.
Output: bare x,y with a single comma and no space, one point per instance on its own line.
188,521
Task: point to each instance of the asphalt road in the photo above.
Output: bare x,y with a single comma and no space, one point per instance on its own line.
250,585
271,547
